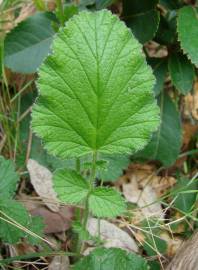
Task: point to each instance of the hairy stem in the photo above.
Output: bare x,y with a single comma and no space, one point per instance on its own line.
91,182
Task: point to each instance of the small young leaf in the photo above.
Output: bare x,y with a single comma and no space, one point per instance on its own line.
182,72
166,142
115,166
111,259
8,178
106,202
77,117
70,187
27,44
16,211
160,69
187,27
142,17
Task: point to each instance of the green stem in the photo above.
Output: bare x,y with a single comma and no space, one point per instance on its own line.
91,183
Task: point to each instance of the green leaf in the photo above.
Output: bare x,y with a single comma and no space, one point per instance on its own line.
166,142
186,198
167,33
154,245
160,69
8,178
170,4
112,258
70,187
100,4
106,202
36,226
76,117
115,166
182,72
187,27
16,211
28,44
142,17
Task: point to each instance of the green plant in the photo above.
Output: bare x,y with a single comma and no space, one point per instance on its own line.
95,98
15,222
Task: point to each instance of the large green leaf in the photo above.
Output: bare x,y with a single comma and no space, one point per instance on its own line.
8,178
106,202
182,72
111,259
187,27
104,3
142,17
28,44
166,142
95,90
70,187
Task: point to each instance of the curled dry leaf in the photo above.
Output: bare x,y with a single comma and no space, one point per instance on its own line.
144,188
59,263
112,235
41,179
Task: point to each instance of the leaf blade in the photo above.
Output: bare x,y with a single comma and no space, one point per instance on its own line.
91,97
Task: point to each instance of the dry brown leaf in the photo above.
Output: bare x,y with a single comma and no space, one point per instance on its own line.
41,179
59,263
55,222
112,235
173,244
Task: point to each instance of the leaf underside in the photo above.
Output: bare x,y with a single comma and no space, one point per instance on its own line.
95,90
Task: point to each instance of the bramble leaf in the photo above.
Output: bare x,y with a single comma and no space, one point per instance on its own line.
166,142
70,187
28,43
106,202
111,258
13,211
159,66
182,72
8,178
142,17
95,90
187,27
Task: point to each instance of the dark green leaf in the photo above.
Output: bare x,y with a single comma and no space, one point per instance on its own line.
166,142
14,212
159,66
187,27
187,195
8,178
28,44
111,259
182,72
142,17
100,4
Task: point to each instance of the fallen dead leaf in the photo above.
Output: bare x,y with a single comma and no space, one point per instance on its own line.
112,235
55,222
41,179
59,263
